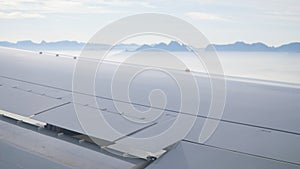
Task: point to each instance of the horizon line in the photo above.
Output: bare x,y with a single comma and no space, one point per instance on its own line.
229,43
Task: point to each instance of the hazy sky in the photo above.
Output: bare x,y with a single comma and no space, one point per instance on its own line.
273,22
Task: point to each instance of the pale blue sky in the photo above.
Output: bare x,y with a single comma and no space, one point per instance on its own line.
273,22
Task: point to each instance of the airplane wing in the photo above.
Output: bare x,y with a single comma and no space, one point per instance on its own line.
41,129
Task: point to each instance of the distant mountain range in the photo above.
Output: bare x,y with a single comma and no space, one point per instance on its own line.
29,45
62,45
256,47
172,46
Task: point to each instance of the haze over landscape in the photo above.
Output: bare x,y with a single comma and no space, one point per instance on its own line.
253,39
273,22
170,46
